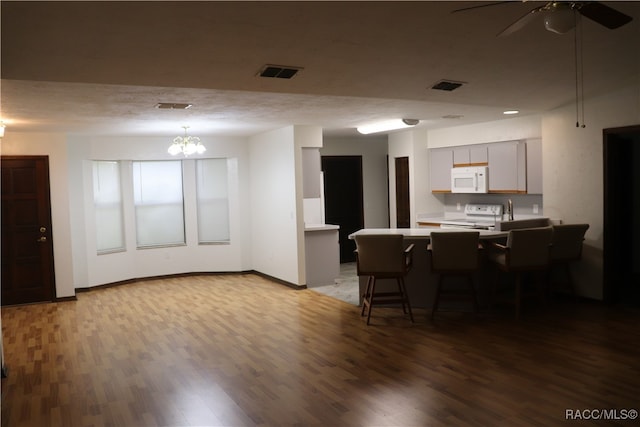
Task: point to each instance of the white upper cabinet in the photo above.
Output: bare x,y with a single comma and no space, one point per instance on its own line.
507,167
441,162
515,167
534,166
473,155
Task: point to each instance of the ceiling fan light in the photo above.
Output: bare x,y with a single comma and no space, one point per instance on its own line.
560,21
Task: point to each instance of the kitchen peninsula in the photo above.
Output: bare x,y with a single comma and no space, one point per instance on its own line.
420,282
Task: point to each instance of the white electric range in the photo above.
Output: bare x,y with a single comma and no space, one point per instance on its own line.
476,216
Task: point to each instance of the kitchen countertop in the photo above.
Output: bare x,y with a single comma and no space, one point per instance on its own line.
425,232
320,227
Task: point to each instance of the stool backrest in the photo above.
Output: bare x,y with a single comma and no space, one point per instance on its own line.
454,250
379,253
566,244
529,247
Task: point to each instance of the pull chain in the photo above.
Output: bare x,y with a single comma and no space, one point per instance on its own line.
578,54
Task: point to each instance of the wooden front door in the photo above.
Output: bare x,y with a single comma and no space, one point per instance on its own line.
27,249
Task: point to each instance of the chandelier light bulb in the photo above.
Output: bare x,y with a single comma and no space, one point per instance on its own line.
186,145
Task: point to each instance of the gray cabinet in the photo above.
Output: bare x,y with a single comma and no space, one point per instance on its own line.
322,255
440,164
515,167
534,166
507,167
473,155
311,172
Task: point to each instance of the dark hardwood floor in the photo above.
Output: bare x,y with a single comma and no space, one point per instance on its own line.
240,350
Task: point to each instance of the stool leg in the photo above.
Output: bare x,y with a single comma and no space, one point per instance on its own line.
405,297
366,297
402,294
373,288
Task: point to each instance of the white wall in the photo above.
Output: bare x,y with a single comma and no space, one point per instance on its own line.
277,221
138,263
374,173
573,171
517,128
54,146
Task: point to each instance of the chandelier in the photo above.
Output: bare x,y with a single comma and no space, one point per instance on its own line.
186,145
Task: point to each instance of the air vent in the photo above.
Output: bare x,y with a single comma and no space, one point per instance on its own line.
279,71
172,106
453,116
447,85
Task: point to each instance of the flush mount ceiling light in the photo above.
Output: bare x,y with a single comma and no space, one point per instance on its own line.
510,112
186,145
387,125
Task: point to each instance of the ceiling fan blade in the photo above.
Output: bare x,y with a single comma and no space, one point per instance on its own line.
603,14
522,22
464,9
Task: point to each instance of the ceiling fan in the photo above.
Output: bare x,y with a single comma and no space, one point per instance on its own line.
560,15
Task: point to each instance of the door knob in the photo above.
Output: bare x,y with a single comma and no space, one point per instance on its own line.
42,239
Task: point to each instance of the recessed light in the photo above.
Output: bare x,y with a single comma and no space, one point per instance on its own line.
510,112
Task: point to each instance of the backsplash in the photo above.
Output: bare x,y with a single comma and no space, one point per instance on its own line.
523,204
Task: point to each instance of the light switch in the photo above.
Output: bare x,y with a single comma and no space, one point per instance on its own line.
535,208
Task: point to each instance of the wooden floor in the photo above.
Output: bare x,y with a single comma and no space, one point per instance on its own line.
239,350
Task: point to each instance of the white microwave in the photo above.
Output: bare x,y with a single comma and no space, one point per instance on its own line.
470,179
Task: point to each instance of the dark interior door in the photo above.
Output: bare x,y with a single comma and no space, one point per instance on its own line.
622,215
403,210
27,250
343,199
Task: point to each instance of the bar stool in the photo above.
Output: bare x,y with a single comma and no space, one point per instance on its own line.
526,250
383,257
454,254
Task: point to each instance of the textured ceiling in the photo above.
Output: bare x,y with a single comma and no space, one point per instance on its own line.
101,67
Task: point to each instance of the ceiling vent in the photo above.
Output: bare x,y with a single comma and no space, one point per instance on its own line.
279,71
172,106
447,85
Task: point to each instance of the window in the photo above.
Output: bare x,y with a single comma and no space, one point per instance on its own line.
107,200
213,200
158,200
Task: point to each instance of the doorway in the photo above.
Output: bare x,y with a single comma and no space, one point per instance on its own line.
27,249
622,215
343,196
403,209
